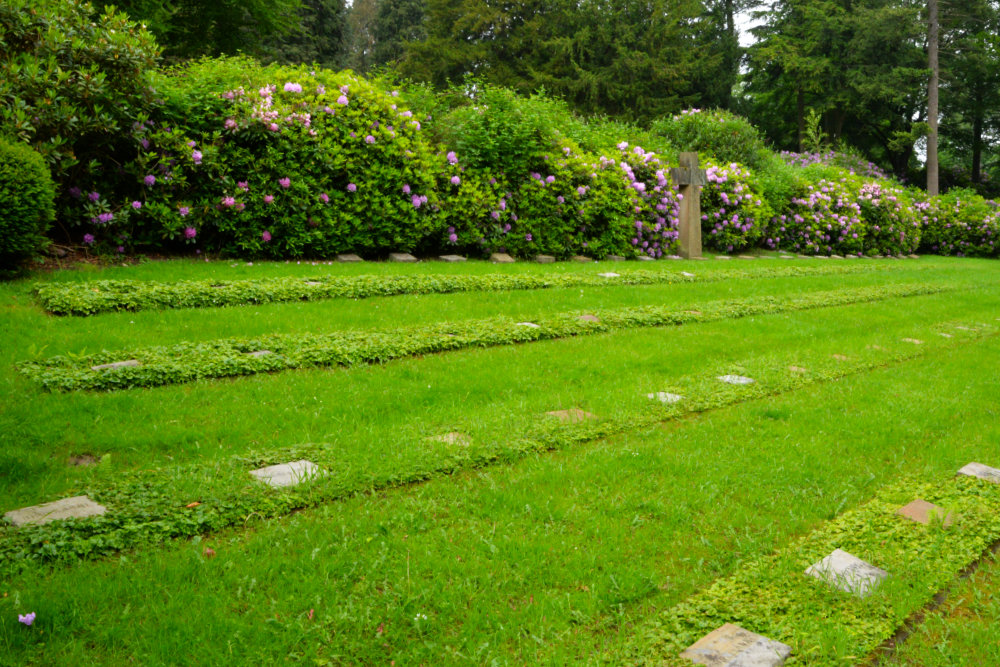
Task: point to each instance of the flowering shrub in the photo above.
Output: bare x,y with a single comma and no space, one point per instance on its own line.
855,164
734,213
893,226
826,220
960,222
27,193
719,134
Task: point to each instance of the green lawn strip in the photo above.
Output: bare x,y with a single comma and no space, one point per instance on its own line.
772,595
962,631
547,561
233,357
149,506
130,295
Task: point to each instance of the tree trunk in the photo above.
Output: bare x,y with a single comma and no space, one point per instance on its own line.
977,146
932,98
800,110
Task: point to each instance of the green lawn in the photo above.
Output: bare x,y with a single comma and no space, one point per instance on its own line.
532,542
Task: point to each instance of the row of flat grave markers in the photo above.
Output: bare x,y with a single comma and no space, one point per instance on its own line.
731,645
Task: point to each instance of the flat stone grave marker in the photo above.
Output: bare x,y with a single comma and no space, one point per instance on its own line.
78,507
83,460
840,357
313,283
545,259
501,258
722,256
401,257
571,416
673,257
945,335
644,258
736,379
700,259
786,256
798,369
665,397
731,646
836,257
453,438
287,474
850,256
528,324
964,328
349,257
451,258
589,318
874,347
116,365
609,274
848,573
685,273
801,256
259,353
615,258
981,471
915,341
693,312
820,257
914,256
581,258
923,512
746,257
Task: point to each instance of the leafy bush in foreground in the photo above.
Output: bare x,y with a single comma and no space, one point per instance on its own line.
960,222
27,193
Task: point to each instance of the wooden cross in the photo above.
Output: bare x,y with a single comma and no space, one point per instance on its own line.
690,179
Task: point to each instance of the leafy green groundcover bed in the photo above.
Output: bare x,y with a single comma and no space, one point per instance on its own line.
147,507
131,295
233,357
773,597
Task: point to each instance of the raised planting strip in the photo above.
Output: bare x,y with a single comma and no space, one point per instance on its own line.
146,507
835,595
188,362
102,296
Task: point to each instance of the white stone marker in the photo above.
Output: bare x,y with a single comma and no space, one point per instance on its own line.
981,471
528,324
913,340
665,397
965,328
313,283
116,365
732,646
401,257
736,379
685,273
501,258
847,573
78,507
451,258
644,258
349,257
453,438
722,256
287,474
945,335
259,353
609,274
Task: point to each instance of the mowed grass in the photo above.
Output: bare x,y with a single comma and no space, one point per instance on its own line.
550,559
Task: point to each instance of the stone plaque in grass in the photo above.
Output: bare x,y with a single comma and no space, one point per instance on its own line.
732,646
545,259
615,258
914,256
924,512
746,257
313,283
735,379
664,397
451,258
820,257
116,365
699,259
571,416
287,474
259,353
401,257
722,256
786,257
609,274
501,258
581,258
349,257
840,357
78,507
798,369
644,258
850,256
944,335
589,318
915,341
981,471
685,273
836,257
848,573
801,256
530,325
453,438
673,257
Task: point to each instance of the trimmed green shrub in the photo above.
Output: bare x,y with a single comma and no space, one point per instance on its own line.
718,134
960,222
28,195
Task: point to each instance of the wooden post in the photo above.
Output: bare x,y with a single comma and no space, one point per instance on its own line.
690,179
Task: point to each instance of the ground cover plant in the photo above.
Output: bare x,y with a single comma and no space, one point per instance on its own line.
533,540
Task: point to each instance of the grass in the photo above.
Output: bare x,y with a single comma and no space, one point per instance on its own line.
550,558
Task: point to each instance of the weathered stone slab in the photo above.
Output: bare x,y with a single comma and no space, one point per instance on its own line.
798,369
736,379
589,318
961,328
820,257
913,256
840,357
581,258
874,347
453,438
801,256
847,573
501,258
78,507
722,256
687,274
609,274
287,474
664,397
571,416
451,258
644,258
349,257
836,257
532,325
615,258
850,256
786,256
981,471
746,257
313,283
401,257
915,341
732,646
259,353
672,257
924,512
116,365
545,259
945,335
700,259
693,312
